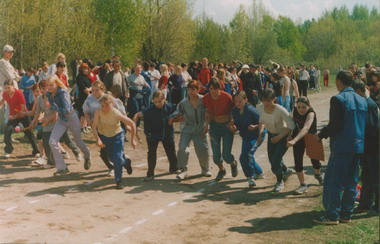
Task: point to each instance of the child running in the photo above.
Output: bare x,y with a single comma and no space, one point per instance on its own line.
108,133
246,120
273,116
306,122
59,101
158,129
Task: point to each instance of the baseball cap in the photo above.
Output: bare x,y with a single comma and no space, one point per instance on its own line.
245,66
8,48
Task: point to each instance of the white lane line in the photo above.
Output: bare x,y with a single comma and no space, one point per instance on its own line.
88,183
125,230
162,158
212,183
73,188
53,195
97,243
201,190
34,201
139,165
11,208
140,222
187,196
158,212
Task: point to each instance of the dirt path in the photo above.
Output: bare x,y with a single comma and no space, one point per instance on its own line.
84,207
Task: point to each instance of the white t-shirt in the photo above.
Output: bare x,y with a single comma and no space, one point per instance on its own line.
117,79
275,122
7,72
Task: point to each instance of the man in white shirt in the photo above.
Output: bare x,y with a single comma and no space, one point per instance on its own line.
7,72
304,77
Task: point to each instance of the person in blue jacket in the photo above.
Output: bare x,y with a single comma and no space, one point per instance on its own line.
246,120
346,129
158,128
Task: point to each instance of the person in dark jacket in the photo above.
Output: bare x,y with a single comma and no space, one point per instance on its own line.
346,126
252,85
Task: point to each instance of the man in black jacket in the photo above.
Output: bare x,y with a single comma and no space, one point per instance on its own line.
116,80
252,84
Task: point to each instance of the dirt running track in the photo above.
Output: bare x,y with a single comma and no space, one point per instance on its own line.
84,207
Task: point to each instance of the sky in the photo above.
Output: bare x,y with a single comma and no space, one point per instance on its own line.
222,11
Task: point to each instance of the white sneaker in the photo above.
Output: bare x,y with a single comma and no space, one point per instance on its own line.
111,173
279,187
66,155
40,161
301,190
7,155
260,176
206,173
79,158
251,182
182,175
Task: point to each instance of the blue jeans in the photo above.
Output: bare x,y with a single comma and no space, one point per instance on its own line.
247,160
279,100
275,153
115,151
339,189
286,104
219,131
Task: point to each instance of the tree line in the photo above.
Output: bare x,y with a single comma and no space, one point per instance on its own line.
166,30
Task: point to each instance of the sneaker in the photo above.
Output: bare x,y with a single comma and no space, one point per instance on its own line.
220,175
119,185
206,173
79,157
148,178
259,176
345,221
175,171
325,221
87,163
278,187
287,174
7,155
319,178
111,173
37,155
182,175
301,190
89,129
128,166
48,166
65,155
234,170
61,172
40,161
251,182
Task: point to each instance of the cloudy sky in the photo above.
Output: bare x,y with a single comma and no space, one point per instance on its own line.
222,11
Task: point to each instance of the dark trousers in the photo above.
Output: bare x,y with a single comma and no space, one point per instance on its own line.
298,152
29,134
370,180
302,87
169,147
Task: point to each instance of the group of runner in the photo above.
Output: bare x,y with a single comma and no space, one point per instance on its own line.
218,100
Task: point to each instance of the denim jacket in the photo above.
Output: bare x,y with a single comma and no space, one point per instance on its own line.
60,103
351,137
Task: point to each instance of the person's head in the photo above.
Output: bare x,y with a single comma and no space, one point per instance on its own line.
184,66
116,91
375,76
9,87
30,72
164,68
53,83
368,67
97,88
84,69
137,69
359,88
177,70
193,87
8,52
240,99
116,66
344,79
159,98
303,105
145,66
274,77
60,57
152,65
221,75
43,86
232,70
36,90
106,102
352,68
45,66
204,62
281,71
268,97
214,87
60,67
170,66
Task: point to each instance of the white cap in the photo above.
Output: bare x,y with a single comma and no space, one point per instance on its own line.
8,48
245,66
